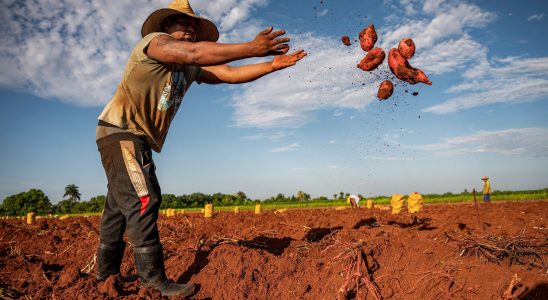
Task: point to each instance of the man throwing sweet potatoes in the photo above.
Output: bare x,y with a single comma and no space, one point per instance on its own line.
177,48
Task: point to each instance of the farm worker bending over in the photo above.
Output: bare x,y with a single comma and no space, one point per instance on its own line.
486,189
177,48
354,200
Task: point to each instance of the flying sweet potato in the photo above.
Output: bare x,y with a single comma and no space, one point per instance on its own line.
403,70
368,37
385,90
345,40
407,48
372,60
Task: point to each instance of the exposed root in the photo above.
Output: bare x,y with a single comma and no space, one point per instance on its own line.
514,284
518,249
89,267
357,276
433,279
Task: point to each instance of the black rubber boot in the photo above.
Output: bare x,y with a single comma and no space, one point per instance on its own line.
109,259
150,265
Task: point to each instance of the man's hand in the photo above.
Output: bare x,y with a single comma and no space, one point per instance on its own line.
268,43
283,61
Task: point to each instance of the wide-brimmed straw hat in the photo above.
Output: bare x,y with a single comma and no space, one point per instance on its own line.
206,31
484,178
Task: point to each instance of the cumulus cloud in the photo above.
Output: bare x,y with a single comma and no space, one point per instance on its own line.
517,142
76,51
512,79
535,17
290,98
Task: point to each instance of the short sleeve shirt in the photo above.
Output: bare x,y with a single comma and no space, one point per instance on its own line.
149,95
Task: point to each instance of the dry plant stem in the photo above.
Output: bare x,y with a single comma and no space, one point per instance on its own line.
354,275
515,283
525,251
436,278
89,267
477,209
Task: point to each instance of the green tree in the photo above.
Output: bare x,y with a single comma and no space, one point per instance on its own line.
34,200
72,191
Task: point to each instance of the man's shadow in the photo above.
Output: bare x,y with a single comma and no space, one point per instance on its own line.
272,245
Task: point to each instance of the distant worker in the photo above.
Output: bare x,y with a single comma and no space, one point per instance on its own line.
486,189
354,200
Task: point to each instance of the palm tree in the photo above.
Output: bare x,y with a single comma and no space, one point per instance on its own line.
71,190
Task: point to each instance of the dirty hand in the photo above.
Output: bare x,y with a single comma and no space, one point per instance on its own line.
287,60
268,43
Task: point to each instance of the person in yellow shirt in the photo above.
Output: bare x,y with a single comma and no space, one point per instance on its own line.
486,189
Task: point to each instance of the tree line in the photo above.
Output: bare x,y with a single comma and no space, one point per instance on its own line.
36,201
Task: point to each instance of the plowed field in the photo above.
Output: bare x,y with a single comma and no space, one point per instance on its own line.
449,252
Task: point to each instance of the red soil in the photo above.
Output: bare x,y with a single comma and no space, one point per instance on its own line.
346,40
298,254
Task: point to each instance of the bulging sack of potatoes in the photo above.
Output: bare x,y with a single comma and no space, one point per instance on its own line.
414,202
397,202
369,204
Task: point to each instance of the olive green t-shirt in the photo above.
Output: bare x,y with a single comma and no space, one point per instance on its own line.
149,95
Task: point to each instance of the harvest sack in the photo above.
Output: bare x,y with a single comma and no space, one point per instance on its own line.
397,202
414,202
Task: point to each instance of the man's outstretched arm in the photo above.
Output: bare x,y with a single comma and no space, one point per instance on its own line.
168,50
246,73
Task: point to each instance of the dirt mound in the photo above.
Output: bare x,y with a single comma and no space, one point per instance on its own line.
298,254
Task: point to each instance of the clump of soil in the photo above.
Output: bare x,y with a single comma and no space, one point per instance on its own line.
110,287
372,60
385,90
407,48
368,37
346,40
297,254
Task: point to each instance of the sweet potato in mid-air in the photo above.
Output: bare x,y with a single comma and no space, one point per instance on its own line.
372,60
407,48
368,37
385,90
403,70
346,40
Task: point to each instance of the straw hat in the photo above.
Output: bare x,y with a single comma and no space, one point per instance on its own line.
484,178
207,31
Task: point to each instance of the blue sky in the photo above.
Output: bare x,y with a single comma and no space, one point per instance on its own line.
316,127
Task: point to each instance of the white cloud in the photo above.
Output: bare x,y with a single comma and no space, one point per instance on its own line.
227,13
518,142
332,142
287,148
333,167
511,79
271,136
289,98
535,17
76,51
323,13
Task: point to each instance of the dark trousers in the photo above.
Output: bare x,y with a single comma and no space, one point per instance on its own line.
134,194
